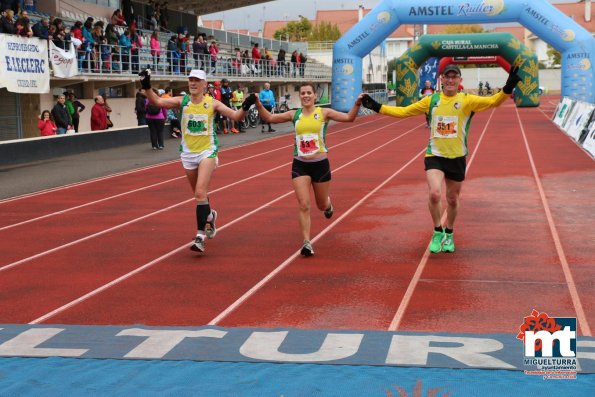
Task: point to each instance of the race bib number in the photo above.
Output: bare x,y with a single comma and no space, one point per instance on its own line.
196,124
307,144
445,126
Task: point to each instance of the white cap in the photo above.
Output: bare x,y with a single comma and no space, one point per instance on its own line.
160,91
199,74
183,93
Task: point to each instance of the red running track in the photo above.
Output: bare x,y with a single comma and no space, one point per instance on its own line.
115,250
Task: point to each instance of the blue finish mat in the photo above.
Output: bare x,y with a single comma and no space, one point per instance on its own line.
88,377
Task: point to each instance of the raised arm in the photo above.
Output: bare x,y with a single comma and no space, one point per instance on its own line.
273,118
237,115
153,98
330,114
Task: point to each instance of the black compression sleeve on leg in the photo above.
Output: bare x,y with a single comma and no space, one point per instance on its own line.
202,212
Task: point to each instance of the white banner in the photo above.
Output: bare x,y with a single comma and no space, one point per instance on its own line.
24,64
64,63
589,143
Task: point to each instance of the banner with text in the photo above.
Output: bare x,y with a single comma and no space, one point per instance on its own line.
63,62
24,64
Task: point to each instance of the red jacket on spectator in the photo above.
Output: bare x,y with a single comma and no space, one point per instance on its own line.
98,117
46,127
255,54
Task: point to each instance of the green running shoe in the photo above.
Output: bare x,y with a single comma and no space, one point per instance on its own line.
449,243
436,243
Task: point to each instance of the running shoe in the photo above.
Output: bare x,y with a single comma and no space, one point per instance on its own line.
211,229
328,213
449,243
198,245
307,249
234,131
436,243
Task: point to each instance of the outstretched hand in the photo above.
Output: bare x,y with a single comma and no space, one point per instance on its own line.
145,81
248,102
512,81
370,103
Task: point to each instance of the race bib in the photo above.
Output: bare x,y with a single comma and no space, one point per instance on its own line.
445,126
307,144
196,124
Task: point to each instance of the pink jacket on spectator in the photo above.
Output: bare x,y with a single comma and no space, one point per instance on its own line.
159,116
155,47
214,50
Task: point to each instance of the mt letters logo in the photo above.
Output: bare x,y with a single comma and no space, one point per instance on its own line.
549,345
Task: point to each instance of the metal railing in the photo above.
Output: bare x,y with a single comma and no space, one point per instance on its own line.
104,59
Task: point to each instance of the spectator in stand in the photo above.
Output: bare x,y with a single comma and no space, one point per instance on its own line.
200,51
77,33
173,55
77,108
118,19
89,44
46,124
51,31
294,63
139,107
61,37
303,60
182,48
22,28
155,49
256,57
40,29
214,51
125,46
156,121
267,98
61,117
236,62
98,115
135,46
7,22
113,39
281,62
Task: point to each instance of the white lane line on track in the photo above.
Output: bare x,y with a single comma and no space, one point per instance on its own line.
116,227
153,185
185,246
148,167
398,317
576,301
283,265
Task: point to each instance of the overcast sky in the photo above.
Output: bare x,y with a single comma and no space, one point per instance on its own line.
253,17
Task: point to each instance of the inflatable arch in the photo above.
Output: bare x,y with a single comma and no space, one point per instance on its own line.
575,44
449,45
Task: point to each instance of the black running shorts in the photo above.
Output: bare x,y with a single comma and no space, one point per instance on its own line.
319,171
454,169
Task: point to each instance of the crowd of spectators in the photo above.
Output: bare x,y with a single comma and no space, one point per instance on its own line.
119,46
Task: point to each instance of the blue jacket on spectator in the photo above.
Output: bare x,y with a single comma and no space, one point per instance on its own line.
125,42
267,97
